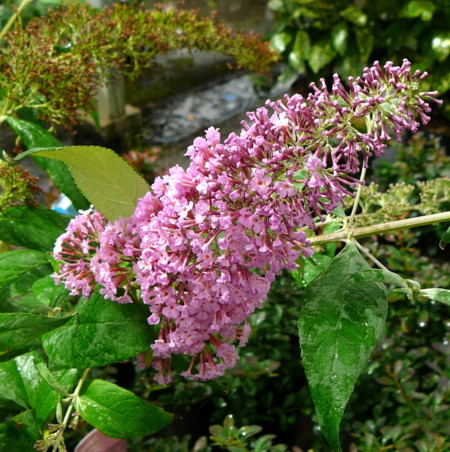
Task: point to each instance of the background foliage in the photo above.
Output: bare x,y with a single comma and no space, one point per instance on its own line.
321,37
400,403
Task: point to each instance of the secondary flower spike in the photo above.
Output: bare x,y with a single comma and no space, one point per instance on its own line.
205,243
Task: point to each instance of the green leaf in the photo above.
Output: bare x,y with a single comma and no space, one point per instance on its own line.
47,293
31,346
423,9
355,15
18,329
11,384
312,268
19,269
280,41
35,136
440,46
339,38
19,433
441,295
106,180
36,228
276,5
445,239
102,332
341,322
332,226
118,413
365,42
50,379
27,381
300,51
320,55
15,264
19,379
46,398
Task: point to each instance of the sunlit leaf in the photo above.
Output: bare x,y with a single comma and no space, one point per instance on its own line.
107,181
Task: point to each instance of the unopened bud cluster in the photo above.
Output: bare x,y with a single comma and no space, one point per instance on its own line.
205,243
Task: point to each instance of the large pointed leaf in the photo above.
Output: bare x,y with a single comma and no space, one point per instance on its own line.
15,264
106,180
22,381
118,413
102,332
11,384
32,227
47,293
17,329
35,136
341,322
19,379
18,271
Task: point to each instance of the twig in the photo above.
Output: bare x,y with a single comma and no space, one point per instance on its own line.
383,228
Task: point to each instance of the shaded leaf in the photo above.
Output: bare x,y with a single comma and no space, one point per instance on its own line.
422,9
19,433
36,228
18,329
8,355
35,136
445,239
341,322
47,293
118,413
19,269
102,332
355,15
106,180
365,42
15,264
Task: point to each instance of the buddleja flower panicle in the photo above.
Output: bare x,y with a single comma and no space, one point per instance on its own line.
206,242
